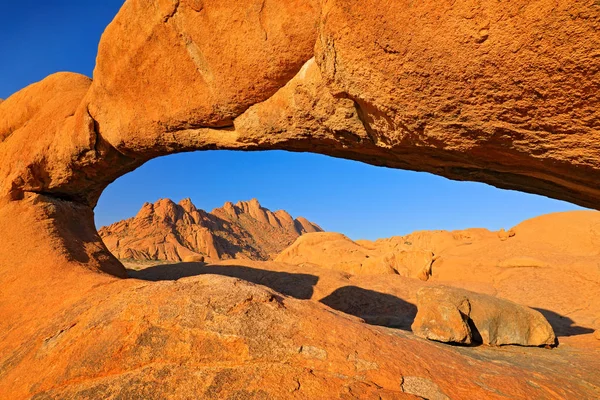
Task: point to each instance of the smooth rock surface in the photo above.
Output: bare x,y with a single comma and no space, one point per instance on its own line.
336,251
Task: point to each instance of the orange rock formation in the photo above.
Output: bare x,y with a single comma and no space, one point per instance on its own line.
176,232
449,314
504,93
389,300
548,262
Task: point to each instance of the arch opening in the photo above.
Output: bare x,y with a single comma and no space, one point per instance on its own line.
346,272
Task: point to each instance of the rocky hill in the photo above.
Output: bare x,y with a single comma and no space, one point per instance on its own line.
545,262
176,232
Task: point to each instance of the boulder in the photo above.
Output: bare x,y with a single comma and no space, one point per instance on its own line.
492,321
412,263
504,235
445,322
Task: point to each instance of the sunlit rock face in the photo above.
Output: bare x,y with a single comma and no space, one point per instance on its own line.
504,93
471,91
168,231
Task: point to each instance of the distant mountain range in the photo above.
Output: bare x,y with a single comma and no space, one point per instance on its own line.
169,231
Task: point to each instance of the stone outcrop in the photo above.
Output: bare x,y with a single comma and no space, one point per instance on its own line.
505,235
411,256
442,317
336,251
178,232
502,93
78,334
217,337
455,315
546,265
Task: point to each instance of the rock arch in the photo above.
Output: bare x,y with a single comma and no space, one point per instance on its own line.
506,94
500,92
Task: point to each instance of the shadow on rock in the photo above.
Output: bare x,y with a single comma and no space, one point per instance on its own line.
299,286
374,307
563,326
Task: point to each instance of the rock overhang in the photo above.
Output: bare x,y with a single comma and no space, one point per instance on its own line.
419,91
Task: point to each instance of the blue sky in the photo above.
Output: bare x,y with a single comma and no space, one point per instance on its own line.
38,38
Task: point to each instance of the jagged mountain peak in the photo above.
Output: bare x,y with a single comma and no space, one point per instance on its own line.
165,230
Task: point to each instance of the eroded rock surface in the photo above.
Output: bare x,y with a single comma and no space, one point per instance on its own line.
546,265
442,317
175,232
468,90
77,333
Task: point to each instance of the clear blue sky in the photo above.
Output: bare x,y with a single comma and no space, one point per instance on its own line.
41,37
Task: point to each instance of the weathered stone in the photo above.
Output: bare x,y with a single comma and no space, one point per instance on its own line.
451,100
63,326
422,387
472,90
194,66
492,321
442,317
504,235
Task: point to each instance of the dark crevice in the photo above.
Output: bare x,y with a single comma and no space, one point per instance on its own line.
95,131
58,196
172,14
363,119
228,126
100,142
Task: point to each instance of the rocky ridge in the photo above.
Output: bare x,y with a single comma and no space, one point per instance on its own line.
168,231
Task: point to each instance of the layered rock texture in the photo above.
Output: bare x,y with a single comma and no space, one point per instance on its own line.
500,92
179,232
